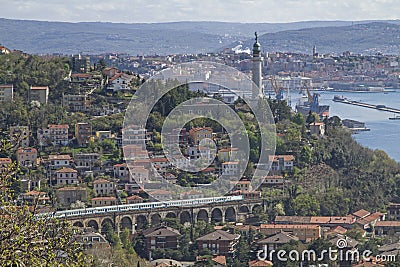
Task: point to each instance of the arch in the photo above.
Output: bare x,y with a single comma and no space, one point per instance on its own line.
126,222
230,215
216,215
105,224
93,224
78,224
255,208
185,217
141,222
155,219
202,215
171,215
244,209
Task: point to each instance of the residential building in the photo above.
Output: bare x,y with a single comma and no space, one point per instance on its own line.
199,133
83,132
273,181
56,134
305,232
30,184
226,154
387,228
281,163
360,214
80,64
65,176
191,194
103,201
219,242
87,161
134,135
39,93
6,92
20,135
55,162
103,187
161,237
121,172
102,135
59,161
134,199
69,195
393,212
27,156
35,198
317,128
370,220
119,81
230,168
93,240
274,241
160,195
110,72
139,174
76,103
326,221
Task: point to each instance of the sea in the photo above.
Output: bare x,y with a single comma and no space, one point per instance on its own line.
384,134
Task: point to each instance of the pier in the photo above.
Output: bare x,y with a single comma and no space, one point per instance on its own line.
365,105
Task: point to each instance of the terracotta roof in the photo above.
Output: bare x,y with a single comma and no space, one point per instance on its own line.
220,260
65,170
71,188
277,157
219,235
159,192
5,161
387,224
39,87
279,238
27,150
370,218
361,213
58,126
159,160
161,231
133,197
6,86
196,129
59,157
104,198
260,263
289,226
339,229
34,193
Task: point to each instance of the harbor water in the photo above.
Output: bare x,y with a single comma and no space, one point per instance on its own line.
384,133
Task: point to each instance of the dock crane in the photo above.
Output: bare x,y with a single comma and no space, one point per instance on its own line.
313,99
278,89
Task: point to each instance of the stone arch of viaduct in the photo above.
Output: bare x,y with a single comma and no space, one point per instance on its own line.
137,220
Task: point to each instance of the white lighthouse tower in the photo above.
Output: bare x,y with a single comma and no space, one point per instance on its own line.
257,91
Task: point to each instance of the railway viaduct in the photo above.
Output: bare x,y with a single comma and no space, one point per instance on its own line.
136,220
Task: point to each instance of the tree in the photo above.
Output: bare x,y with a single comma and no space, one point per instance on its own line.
31,239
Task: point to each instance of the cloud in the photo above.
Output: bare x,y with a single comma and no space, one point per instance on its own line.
215,10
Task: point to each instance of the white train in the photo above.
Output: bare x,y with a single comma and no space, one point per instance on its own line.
141,206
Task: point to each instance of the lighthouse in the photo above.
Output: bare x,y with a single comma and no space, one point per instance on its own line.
257,91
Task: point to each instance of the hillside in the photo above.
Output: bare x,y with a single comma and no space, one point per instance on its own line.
41,37
367,38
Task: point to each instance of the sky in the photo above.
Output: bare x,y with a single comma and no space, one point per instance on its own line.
130,11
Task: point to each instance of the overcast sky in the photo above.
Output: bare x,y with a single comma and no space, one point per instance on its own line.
199,10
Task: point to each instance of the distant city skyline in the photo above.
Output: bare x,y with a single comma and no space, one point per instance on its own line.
134,11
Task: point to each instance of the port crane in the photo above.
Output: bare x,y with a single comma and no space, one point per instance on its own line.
313,99
277,88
